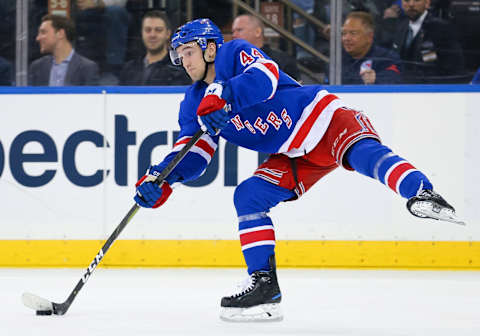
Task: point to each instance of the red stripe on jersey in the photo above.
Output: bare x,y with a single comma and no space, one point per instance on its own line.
205,146
308,124
273,69
256,236
181,142
396,173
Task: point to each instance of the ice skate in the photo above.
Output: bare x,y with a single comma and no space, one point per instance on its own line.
429,204
258,300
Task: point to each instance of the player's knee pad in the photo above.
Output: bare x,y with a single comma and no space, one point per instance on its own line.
256,195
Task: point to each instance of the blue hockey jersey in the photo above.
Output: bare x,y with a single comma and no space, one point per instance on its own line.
270,113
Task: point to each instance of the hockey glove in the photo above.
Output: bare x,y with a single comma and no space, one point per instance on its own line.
213,109
151,195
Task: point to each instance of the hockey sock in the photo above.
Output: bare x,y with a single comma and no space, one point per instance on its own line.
371,158
253,199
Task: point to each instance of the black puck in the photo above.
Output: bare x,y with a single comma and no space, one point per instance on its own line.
44,312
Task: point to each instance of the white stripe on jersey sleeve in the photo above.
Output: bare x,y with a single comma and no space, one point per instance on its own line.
260,65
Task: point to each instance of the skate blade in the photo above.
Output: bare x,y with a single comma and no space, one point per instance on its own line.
261,313
428,210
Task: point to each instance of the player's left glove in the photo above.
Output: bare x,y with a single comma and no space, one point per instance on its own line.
213,109
150,194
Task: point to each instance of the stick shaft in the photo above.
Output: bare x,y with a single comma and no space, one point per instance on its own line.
62,308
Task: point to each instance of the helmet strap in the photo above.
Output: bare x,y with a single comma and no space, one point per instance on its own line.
207,66
208,62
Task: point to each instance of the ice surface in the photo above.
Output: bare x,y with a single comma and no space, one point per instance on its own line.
121,302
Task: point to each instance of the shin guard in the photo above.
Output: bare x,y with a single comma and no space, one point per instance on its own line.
371,158
253,200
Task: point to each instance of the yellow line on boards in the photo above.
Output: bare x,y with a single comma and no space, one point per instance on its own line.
227,253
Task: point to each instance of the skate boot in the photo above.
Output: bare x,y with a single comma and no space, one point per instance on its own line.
429,204
258,300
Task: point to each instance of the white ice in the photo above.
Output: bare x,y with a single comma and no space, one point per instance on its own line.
131,302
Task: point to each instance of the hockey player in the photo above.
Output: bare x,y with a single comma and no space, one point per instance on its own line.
240,94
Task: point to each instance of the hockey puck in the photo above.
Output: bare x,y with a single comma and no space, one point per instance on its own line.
44,312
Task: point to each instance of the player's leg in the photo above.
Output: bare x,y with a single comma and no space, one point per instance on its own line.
361,150
370,158
253,199
260,295
278,179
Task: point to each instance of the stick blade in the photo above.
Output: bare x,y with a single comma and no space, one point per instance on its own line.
36,302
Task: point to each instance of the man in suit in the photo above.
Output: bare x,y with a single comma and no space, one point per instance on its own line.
155,68
428,46
251,29
63,66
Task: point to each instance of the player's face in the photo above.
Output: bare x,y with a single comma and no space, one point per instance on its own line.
192,60
155,35
415,8
243,29
47,37
356,38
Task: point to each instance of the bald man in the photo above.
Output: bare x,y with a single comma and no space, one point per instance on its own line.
251,29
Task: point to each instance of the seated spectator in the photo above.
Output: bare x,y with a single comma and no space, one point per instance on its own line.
102,27
476,77
63,66
364,62
428,46
6,73
154,68
251,29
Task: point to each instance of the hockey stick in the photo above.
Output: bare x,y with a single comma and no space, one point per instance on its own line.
45,307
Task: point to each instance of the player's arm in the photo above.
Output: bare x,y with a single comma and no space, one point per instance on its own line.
195,162
249,76
244,77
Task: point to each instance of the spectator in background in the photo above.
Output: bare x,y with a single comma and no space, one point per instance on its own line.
6,73
155,67
428,46
364,62
63,66
102,27
476,77
251,29
386,23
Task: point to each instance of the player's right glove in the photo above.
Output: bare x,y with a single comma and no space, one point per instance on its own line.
213,109
151,195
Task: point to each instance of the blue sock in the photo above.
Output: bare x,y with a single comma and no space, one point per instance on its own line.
253,199
371,158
